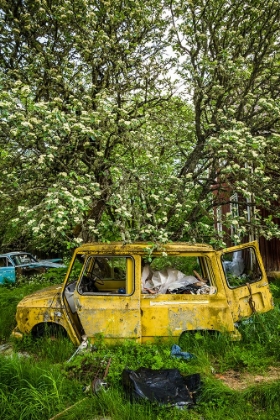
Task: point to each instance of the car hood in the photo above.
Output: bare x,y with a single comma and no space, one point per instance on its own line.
43,264
48,297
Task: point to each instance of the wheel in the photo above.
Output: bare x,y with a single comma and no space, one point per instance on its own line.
46,329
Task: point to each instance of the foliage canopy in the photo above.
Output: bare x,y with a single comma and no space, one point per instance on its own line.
133,120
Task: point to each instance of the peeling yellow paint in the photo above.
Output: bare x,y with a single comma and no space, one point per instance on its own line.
140,316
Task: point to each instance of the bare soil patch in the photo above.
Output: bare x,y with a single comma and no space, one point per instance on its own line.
241,380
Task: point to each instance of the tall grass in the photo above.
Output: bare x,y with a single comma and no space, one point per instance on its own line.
32,390
37,382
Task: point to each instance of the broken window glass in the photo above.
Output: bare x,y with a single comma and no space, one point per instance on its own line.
186,274
241,267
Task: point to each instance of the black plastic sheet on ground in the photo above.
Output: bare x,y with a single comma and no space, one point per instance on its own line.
166,386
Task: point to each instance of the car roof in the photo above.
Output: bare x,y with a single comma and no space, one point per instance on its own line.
143,247
15,253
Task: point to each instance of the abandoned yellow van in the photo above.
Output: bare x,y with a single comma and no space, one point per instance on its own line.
139,292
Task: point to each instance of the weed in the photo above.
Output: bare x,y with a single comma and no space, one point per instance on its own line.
52,348
37,382
32,391
264,396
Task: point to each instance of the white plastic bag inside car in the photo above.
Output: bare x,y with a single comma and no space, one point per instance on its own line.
163,280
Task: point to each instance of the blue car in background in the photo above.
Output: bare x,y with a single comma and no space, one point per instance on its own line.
14,264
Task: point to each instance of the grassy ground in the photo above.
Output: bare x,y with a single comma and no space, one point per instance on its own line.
240,379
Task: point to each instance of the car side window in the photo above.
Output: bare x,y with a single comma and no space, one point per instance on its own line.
241,267
15,260
183,274
107,275
3,262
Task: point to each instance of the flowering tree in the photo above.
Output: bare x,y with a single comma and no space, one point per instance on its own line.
229,54
97,144
79,79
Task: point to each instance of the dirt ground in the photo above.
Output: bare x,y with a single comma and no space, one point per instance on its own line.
238,380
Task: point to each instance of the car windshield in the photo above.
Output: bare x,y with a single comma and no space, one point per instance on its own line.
20,259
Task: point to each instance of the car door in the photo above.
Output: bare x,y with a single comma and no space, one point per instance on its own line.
245,280
7,271
106,299
193,297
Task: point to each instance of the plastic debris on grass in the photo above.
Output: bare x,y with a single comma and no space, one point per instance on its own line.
165,386
177,352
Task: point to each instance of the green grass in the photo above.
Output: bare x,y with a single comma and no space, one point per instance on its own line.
10,295
36,381
33,390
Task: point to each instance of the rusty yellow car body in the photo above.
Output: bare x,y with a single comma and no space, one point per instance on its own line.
142,292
